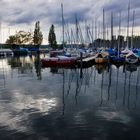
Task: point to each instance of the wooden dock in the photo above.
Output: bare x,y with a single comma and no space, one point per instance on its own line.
86,62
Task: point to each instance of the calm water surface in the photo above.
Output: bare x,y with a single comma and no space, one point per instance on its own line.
98,103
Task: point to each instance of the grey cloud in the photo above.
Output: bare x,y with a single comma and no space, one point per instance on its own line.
49,11
26,12
69,17
122,6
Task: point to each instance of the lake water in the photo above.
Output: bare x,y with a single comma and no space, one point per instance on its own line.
97,103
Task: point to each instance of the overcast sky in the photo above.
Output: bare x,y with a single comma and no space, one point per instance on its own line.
22,14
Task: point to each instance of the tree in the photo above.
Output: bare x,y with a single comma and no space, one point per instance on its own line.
38,37
20,37
52,38
11,40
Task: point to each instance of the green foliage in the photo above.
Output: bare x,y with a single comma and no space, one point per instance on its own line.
52,38
11,40
38,37
20,37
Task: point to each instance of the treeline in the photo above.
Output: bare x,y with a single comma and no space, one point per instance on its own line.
21,38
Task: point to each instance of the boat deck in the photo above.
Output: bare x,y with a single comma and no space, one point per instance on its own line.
86,62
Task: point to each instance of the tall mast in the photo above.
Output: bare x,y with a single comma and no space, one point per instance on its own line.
0,32
132,29
95,34
103,28
128,24
99,32
112,30
73,37
81,39
92,32
77,30
119,34
106,32
87,28
62,25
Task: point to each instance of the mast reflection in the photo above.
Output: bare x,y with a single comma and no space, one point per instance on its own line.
38,66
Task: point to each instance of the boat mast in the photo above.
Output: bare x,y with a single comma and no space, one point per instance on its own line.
72,38
0,32
87,28
112,30
103,28
0,35
99,33
68,34
106,32
95,34
128,25
119,34
77,32
132,29
81,39
62,26
92,33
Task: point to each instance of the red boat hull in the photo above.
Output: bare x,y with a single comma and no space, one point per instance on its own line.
56,62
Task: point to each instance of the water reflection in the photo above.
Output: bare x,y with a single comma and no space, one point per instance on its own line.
2,72
100,67
117,80
110,80
56,103
102,89
38,66
26,65
124,96
15,62
82,84
23,64
137,82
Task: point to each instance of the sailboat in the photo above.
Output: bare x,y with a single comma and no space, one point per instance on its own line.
59,60
131,57
102,57
117,58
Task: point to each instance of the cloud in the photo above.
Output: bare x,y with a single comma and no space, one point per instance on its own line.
21,12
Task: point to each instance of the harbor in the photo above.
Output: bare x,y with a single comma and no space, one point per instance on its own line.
69,70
